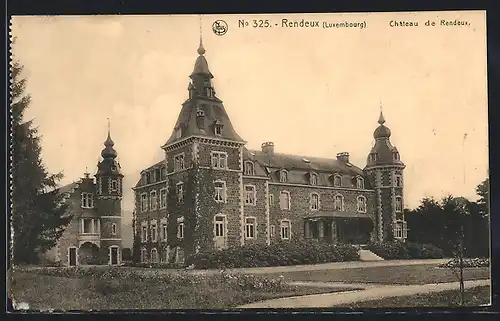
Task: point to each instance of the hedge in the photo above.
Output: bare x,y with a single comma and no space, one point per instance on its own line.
279,254
467,263
402,251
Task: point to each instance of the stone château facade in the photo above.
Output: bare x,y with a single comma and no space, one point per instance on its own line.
211,192
94,234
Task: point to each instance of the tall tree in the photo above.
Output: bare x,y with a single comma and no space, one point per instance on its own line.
482,191
38,211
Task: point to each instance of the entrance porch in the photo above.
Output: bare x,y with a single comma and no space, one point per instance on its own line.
338,227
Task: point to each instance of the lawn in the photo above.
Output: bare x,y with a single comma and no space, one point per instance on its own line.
474,297
98,292
409,274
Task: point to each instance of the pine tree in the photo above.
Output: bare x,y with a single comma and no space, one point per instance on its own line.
38,212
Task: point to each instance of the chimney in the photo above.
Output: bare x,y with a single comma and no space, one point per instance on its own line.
268,148
343,157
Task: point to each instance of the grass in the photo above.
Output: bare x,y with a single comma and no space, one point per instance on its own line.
474,297
44,292
409,274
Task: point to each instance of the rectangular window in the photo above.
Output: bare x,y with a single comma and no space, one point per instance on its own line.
153,232
219,160
250,228
339,203
153,176
163,198
285,230
218,128
180,192
153,201
273,231
113,229
148,178
314,202
163,173
220,226
399,204
337,181
250,195
144,202
158,174
399,181
180,230
87,226
114,185
87,200
143,179
271,199
398,230
249,168
179,162
285,200
144,233
154,256
220,192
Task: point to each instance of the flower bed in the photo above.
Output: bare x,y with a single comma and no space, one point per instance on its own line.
280,254
404,251
467,263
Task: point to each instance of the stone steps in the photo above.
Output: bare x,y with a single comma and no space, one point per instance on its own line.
367,255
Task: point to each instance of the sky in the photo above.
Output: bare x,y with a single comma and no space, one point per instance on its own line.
311,91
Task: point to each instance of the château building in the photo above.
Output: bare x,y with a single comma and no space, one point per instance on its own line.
93,237
211,192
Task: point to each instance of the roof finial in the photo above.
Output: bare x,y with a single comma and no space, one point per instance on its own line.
109,127
381,118
201,50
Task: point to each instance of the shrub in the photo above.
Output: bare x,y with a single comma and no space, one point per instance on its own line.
402,251
467,263
279,254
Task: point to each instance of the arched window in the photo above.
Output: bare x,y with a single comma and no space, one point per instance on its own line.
283,176
360,182
339,202
337,180
361,204
313,179
154,255
249,168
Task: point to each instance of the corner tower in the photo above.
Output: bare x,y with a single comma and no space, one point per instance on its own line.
204,168
109,188
385,171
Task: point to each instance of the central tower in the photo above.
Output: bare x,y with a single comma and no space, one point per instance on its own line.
203,158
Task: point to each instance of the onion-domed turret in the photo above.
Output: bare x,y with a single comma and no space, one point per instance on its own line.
382,131
109,151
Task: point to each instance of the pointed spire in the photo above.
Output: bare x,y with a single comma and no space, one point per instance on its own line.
201,49
381,119
108,151
109,141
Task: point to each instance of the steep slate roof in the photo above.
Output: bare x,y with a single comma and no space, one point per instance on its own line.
213,111
67,188
155,165
299,167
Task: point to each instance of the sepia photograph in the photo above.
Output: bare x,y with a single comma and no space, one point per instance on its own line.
266,161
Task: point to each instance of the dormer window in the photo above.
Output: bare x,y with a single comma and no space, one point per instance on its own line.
218,130
249,168
395,155
337,180
200,113
373,157
313,179
87,200
283,176
178,132
360,183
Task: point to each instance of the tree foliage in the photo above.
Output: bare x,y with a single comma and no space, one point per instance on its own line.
452,222
38,212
